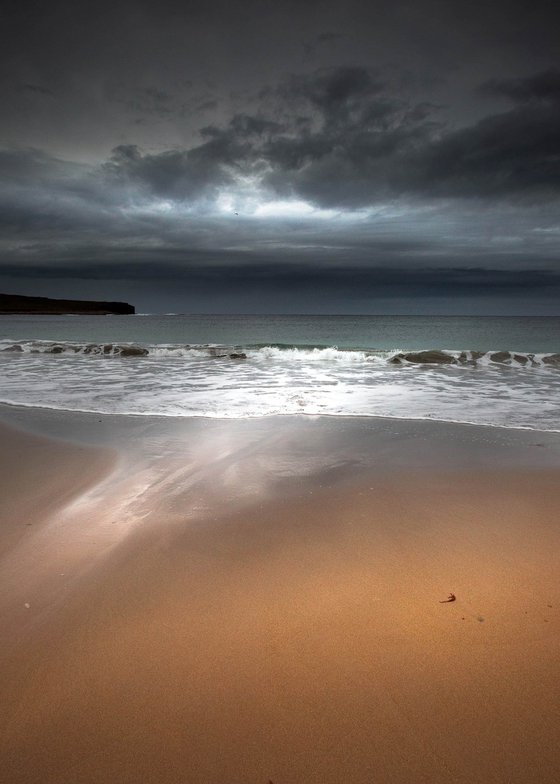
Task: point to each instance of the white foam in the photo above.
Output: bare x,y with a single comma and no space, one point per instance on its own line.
203,380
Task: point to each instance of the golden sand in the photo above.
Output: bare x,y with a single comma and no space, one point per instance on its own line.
297,642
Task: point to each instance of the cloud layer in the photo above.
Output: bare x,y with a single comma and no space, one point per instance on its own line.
336,176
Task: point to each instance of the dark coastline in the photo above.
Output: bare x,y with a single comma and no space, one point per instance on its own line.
15,304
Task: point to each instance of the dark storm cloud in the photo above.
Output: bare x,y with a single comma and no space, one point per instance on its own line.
342,138
370,146
125,72
41,193
176,174
338,138
543,86
332,136
350,132
514,155
336,92
351,283
25,166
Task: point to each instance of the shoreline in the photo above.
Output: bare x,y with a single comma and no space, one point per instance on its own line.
20,409
264,601
273,417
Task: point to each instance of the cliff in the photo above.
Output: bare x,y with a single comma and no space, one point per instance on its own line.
14,303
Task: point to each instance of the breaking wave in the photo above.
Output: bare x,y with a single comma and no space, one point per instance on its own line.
502,388
284,352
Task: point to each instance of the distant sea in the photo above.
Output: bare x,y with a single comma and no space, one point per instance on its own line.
500,371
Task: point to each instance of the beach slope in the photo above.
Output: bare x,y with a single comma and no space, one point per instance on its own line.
303,640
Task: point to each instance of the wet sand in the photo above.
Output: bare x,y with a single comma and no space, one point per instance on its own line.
293,637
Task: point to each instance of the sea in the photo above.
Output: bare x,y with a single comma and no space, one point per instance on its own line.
497,371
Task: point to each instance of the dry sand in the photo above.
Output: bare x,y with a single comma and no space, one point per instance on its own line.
296,642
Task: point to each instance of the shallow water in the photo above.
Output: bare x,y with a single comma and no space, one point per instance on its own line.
234,366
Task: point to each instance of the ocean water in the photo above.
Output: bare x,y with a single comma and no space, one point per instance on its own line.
482,370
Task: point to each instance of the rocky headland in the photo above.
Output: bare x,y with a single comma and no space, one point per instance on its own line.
18,304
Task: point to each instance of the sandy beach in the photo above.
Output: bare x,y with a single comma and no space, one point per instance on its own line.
265,602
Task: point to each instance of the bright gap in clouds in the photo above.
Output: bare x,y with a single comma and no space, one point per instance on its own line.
258,206
292,209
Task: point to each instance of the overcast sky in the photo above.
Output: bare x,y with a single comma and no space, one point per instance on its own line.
279,156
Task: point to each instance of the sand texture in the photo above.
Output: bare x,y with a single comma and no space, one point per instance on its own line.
295,641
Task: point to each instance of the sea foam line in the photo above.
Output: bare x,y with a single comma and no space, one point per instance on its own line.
283,352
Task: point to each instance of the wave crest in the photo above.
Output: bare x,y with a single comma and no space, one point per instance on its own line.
285,352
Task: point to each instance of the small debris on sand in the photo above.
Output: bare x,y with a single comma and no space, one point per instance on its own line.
27,605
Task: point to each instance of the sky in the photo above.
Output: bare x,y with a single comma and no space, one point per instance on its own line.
283,156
